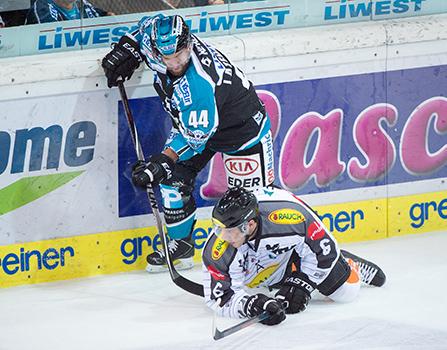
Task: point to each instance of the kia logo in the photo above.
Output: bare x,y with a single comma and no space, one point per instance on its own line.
241,166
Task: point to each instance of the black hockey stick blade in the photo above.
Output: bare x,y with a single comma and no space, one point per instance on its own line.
226,332
182,282
179,280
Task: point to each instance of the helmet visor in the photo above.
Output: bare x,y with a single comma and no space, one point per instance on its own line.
230,234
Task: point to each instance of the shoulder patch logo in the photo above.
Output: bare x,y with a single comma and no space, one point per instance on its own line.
217,275
286,216
219,248
315,231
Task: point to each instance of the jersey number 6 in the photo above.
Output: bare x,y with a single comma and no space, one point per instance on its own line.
217,290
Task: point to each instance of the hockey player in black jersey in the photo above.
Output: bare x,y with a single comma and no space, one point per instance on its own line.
273,239
213,108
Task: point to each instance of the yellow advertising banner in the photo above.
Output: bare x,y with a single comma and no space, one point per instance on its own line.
355,221
121,251
420,213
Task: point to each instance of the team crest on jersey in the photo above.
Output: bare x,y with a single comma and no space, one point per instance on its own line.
219,248
286,216
315,231
195,138
263,276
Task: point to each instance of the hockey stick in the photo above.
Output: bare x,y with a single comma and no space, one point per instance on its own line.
226,332
182,282
168,4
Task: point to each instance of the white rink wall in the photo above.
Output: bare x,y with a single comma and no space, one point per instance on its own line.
70,188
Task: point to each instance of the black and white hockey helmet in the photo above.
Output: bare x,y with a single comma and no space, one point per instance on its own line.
236,207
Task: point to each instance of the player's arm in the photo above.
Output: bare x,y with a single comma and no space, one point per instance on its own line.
318,254
171,153
161,166
222,278
224,285
177,146
130,51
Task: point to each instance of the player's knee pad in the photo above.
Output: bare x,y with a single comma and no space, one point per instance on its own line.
179,212
338,275
349,290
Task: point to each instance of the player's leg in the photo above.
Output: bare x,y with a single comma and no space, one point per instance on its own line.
179,209
251,168
353,270
349,290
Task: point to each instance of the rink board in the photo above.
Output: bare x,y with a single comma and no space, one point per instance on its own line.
231,18
370,156
113,252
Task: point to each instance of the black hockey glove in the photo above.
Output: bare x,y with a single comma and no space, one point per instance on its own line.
122,61
158,169
258,303
295,292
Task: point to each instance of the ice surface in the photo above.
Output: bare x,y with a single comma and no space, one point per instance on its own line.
136,311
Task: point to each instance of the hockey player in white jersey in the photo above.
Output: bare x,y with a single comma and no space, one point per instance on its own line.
213,108
273,239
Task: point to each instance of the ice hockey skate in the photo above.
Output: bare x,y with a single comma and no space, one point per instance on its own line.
181,252
370,273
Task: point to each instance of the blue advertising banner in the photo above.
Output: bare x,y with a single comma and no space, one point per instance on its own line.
334,134
253,16
346,11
